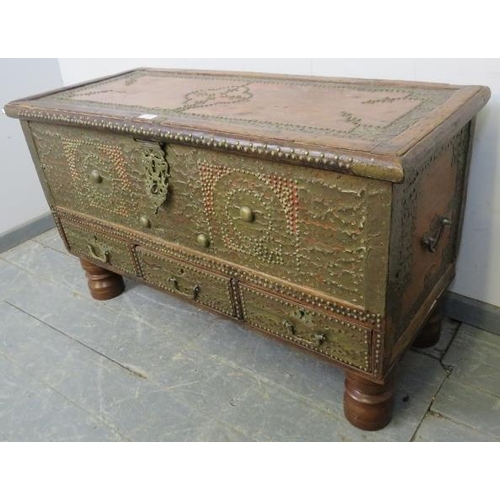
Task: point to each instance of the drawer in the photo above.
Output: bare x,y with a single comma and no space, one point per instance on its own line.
318,229
342,341
187,281
99,248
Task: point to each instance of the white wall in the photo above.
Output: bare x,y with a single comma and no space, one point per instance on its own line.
478,274
21,197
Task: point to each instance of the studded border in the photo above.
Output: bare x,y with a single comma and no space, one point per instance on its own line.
339,162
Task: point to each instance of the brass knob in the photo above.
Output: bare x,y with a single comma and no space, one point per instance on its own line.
145,222
202,240
246,213
96,176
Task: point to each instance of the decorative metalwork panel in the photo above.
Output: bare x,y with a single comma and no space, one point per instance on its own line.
253,214
370,111
98,175
102,174
157,174
330,336
322,230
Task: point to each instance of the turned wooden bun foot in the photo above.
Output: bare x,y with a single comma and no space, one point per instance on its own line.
103,284
368,405
430,333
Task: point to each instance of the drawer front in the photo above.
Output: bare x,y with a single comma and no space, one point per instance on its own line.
339,340
99,248
187,281
310,227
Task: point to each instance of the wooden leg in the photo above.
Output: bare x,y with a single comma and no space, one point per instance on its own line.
368,405
429,335
103,284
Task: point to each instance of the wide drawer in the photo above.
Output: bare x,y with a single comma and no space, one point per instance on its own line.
342,341
199,285
318,229
99,247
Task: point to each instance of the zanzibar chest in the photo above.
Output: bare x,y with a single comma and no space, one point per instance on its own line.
324,212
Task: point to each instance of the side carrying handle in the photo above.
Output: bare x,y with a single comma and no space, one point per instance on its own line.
431,241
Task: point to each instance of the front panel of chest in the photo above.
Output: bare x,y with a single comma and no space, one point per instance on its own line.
317,229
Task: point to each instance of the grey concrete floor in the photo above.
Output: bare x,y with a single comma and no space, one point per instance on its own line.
148,367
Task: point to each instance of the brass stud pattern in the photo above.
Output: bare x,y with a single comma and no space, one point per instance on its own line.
285,192
428,99
104,159
377,353
236,298
341,163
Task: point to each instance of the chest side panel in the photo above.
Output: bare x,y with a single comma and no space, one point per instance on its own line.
426,227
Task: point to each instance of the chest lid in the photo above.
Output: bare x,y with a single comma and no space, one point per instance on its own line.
359,127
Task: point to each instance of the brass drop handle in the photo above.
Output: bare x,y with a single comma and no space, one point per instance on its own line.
289,327
93,254
319,338
194,291
431,241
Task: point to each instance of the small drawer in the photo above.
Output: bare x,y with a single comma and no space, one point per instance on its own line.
187,281
99,248
337,339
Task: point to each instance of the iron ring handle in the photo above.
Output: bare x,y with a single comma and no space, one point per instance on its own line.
93,254
431,241
194,292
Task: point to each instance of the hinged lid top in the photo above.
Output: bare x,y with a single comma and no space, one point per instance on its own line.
320,117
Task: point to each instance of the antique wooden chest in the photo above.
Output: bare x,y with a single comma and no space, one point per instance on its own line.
324,212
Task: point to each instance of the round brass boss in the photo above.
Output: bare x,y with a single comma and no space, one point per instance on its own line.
246,213
202,240
96,176
145,222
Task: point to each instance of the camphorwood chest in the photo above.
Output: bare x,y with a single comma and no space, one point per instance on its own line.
324,212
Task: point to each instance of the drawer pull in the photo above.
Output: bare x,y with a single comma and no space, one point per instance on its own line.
194,292
93,254
246,213
319,338
431,241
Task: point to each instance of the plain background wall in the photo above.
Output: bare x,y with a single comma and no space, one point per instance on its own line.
21,197
478,268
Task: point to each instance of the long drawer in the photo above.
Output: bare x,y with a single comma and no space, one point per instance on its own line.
337,339
195,284
310,227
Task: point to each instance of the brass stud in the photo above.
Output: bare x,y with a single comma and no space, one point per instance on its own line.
202,240
96,176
